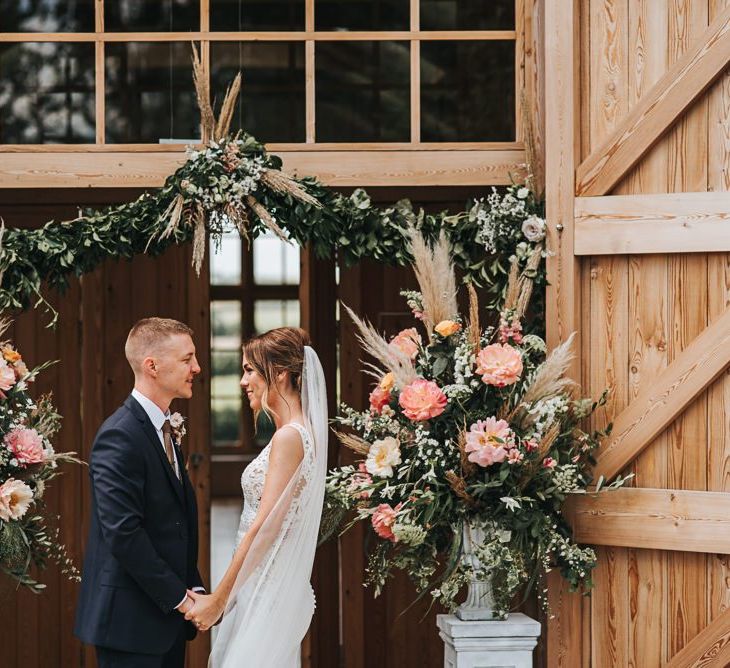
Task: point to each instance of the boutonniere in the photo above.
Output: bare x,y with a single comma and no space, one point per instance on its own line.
177,422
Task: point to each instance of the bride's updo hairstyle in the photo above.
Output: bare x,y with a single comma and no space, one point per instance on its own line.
272,352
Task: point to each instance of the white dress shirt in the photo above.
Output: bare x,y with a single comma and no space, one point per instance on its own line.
157,418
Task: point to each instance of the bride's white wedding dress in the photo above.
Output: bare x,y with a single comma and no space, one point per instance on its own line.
272,603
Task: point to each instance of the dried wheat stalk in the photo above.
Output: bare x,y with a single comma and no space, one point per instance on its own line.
202,94
261,211
355,443
458,484
474,330
284,183
229,104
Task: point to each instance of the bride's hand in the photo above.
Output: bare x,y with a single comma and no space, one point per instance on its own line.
206,610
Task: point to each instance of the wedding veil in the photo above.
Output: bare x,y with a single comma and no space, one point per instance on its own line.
271,604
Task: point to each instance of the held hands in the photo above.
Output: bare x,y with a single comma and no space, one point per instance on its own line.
205,611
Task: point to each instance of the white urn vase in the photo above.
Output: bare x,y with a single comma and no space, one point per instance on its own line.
479,604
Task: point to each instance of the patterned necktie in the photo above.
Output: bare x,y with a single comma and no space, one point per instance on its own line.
167,438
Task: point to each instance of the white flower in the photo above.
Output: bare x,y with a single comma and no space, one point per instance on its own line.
534,228
176,420
522,193
383,455
512,504
15,499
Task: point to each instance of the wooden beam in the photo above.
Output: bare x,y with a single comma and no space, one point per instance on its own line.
672,223
344,168
564,646
658,519
708,649
655,408
655,113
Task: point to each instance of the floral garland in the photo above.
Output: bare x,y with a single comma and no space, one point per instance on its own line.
234,184
27,463
471,427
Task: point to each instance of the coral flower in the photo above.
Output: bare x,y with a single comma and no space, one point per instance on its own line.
387,382
488,441
499,364
379,398
422,400
407,341
383,520
447,328
15,499
11,355
26,445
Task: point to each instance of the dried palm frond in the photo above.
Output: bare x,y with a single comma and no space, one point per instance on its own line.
513,285
389,356
527,281
458,484
435,274
468,468
238,215
283,183
229,104
173,215
198,238
543,448
355,443
474,331
549,379
4,325
262,212
202,94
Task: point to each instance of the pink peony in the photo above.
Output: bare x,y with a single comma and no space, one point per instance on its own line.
15,499
422,400
379,398
383,520
7,375
407,341
499,364
488,441
26,445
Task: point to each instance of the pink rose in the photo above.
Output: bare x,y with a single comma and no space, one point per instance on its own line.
549,463
378,399
488,441
26,445
383,520
15,499
499,364
422,400
407,341
7,375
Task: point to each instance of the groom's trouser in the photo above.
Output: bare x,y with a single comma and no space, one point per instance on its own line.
113,658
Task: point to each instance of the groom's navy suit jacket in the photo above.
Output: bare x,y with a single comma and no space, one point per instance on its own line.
142,548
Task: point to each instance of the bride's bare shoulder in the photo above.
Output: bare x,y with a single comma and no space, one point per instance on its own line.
287,444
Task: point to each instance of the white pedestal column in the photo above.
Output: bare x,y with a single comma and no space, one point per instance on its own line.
488,644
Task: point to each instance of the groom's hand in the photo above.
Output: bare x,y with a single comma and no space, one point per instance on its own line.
186,606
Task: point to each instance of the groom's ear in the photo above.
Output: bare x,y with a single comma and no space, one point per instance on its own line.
149,365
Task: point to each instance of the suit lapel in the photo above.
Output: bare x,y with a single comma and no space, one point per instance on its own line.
151,434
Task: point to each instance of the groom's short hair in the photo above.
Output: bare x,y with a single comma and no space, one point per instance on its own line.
147,335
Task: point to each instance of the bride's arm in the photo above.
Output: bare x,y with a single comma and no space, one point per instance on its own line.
285,456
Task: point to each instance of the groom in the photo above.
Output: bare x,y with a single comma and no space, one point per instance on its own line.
142,548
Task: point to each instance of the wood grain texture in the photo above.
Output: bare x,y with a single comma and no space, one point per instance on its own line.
345,168
672,391
654,114
694,222
678,520
708,649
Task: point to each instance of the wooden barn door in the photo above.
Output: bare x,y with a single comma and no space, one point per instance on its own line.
638,169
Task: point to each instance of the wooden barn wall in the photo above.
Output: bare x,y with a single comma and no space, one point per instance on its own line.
91,379
639,312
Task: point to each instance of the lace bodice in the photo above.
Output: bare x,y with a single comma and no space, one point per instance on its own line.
254,477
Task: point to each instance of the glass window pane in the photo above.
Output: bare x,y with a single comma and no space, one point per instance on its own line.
46,16
225,260
275,262
362,14
151,15
47,93
467,14
272,313
362,91
149,92
226,374
257,14
271,104
468,91
225,325
225,420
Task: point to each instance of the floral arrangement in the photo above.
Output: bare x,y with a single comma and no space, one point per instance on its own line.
27,463
467,428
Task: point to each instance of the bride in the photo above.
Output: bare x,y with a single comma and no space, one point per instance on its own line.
265,596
